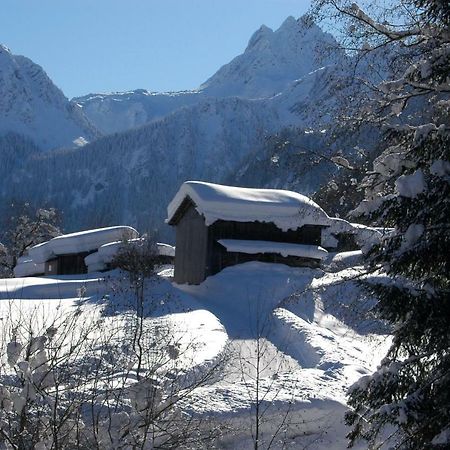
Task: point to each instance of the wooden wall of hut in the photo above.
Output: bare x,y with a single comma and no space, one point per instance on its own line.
198,254
265,231
227,259
219,258
72,264
191,247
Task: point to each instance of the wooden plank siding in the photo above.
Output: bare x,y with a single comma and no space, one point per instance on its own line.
265,231
72,264
51,267
191,247
226,259
219,257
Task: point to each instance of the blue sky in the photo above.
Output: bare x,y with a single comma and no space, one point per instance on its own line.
114,45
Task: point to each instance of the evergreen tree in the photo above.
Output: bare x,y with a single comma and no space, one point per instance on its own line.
405,404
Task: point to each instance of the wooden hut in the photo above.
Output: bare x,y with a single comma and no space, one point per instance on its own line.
219,226
72,254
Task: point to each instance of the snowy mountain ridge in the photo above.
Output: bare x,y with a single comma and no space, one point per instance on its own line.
110,180
31,105
273,59
121,111
270,63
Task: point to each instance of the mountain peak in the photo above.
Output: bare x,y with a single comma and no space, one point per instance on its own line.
289,23
34,107
272,60
6,59
304,24
263,33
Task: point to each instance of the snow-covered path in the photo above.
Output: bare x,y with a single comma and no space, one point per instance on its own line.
308,329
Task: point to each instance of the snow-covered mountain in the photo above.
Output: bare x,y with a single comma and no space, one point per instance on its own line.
122,111
272,61
31,105
129,176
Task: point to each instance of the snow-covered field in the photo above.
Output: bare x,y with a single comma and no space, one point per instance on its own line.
291,340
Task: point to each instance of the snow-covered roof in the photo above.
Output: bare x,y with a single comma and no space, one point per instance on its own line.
165,249
286,209
281,248
83,241
105,254
26,268
108,251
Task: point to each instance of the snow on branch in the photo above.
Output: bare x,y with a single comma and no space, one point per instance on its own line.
356,12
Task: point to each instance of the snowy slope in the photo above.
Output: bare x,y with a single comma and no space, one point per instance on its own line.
273,59
50,288
312,327
314,346
126,110
31,105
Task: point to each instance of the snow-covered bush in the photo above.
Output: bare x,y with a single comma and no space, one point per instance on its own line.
138,257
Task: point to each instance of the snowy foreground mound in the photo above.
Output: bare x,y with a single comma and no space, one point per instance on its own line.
303,336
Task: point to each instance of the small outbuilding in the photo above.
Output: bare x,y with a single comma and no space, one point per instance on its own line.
84,252
219,226
69,254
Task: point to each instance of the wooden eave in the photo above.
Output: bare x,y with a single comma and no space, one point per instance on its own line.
179,213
